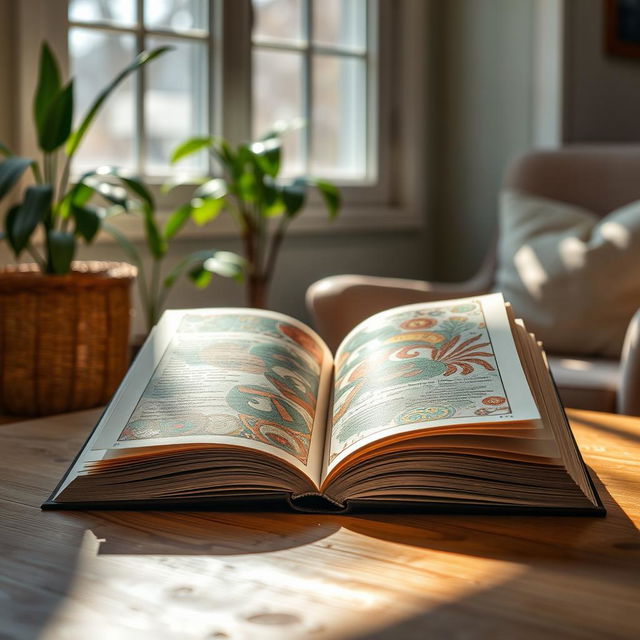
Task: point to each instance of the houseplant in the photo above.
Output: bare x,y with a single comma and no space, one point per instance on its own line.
154,283
64,337
262,205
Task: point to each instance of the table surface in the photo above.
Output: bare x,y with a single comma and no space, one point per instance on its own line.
264,575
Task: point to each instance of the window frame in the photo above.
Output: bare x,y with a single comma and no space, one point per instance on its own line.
392,202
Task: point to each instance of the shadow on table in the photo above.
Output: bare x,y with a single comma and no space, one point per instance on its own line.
539,602
206,533
538,545
489,536
511,537
618,431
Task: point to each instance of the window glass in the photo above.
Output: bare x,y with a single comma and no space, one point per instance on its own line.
340,22
175,104
310,64
277,99
95,56
278,19
176,15
339,126
117,12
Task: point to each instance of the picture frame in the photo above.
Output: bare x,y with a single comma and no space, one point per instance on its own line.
622,28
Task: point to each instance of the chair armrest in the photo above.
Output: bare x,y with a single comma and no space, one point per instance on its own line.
339,303
628,400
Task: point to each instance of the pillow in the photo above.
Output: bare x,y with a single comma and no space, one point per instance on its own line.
572,276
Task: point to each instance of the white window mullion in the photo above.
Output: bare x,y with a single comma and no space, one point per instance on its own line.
140,130
307,84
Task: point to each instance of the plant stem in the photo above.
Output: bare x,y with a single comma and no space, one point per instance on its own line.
143,290
154,309
64,180
274,249
38,259
37,174
258,285
54,171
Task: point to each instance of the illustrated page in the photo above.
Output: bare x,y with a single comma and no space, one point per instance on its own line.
249,378
427,365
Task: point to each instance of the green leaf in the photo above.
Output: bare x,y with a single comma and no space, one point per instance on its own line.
5,151
200,277
87,221
176,221
229,160
247,185
33,210
126,245
190,146
79,195
272,199
57,120
137,186
216,188
294,196
129,180
49,85
204,210
9,224
113,193
157,244
11,170
143,58
227,264
330,195
62,246
268,154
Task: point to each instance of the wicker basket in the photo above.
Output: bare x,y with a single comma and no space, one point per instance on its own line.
63,339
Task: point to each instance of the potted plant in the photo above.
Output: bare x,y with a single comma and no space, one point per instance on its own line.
262,205
154,284
65,325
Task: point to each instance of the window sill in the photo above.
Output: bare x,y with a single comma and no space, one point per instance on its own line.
313,220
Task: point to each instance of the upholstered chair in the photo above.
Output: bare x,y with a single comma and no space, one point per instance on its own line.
599,179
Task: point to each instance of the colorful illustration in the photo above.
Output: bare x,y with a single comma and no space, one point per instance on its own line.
396,370
245,376
425,415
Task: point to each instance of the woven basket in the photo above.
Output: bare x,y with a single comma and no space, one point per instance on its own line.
63,339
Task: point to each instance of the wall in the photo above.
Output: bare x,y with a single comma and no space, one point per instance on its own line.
8,65
602,92
484,111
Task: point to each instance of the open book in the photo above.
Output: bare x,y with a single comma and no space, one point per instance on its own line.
441,406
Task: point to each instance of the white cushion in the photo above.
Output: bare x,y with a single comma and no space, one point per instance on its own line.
573,276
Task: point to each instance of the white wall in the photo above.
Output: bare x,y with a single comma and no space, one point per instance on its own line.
8,65
602,92
485,116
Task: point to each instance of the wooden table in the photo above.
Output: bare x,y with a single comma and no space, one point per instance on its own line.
232,575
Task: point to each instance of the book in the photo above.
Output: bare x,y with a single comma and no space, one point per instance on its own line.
445,406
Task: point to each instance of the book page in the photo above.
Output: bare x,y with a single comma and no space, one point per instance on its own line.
427,365
226,376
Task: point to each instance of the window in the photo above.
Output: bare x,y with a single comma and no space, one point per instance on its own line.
326,45
350,70
310,71
153,111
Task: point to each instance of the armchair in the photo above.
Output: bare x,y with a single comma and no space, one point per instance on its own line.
599,179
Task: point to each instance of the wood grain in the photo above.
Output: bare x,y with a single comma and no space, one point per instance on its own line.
264,575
